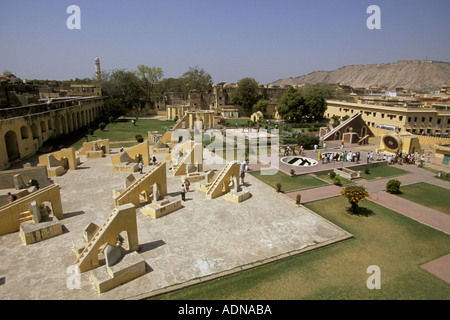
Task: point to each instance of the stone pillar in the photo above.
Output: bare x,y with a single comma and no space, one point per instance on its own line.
155,192
36,213
191,120
235,184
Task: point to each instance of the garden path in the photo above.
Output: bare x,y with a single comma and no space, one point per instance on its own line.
376,189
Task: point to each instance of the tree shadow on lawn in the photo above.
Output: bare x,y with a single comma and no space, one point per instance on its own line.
360,211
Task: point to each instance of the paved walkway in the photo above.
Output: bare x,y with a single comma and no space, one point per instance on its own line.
205,239
439,267
376,188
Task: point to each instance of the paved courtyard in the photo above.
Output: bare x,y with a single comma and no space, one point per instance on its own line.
205,239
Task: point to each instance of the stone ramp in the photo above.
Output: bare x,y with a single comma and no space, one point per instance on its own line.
223,180
121,218
156,175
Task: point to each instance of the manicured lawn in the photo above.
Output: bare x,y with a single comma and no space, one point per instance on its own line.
125,131
396,244
428,195
289,183
439,174
327,178
231,123
382,172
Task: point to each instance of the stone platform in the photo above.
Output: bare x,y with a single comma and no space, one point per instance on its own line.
204,239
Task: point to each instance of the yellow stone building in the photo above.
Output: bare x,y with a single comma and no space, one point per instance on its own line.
416,120
23,130
187,117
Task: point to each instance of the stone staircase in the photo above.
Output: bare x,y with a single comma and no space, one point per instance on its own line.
176,169
212,191
28,216
84,259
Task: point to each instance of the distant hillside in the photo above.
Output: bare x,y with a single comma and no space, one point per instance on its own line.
424,75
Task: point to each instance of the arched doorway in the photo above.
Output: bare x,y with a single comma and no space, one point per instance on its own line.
24,132
34,131
363,132
12,147
74,123
337,135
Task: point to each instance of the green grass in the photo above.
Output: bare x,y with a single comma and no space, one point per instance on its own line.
327,178
289,183
395,243
231,123
382,172
427,195
125,131
443,175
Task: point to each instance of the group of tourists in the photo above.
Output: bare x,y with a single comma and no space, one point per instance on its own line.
344,156
141,163
411,158
400,157
290,151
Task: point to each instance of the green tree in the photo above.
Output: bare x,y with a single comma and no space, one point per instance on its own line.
315,104
354,195
150,76
393,186
329,91
113,109
171,85
307,140
291,104
197,79
246,95
125,88
261,105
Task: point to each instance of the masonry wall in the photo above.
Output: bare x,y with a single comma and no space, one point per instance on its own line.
23,130
37,173
413,120
142,149
425,141
10,213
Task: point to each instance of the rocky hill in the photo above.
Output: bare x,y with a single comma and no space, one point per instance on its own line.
423,75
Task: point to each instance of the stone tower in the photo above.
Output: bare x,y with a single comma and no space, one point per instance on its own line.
97,68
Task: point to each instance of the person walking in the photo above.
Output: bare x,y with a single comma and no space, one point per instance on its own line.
242,175
183,192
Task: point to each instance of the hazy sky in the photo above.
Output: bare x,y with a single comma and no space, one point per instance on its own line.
230,39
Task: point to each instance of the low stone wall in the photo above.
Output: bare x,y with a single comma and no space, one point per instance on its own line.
347,173
26,174
33,232
355,167
161,208
10,213
130,267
